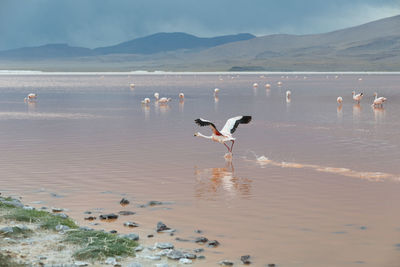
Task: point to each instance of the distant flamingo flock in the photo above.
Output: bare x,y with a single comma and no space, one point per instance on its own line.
231,125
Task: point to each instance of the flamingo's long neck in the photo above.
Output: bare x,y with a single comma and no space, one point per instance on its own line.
204,136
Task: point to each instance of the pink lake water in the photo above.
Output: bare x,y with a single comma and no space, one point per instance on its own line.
310,183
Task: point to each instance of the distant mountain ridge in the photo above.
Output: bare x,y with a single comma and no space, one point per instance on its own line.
46,51
163,42
152,44
374,46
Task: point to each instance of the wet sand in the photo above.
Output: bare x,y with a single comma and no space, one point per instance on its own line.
310,184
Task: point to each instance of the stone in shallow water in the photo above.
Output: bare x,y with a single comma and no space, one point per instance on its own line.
189,255
108,216
90,218
198,250
124,201
131,224
134,264
162,265
126,212
132,236
162,227
201,257
225,263
212,244
201,239
154,203
113,232
182,239
164,245
57,209
245,259
175,255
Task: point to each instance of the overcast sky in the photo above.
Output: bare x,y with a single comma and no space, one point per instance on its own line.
94,23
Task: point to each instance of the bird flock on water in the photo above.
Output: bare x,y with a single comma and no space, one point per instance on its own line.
377,102
225,134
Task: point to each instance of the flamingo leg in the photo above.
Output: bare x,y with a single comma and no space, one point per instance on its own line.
233,142
227,147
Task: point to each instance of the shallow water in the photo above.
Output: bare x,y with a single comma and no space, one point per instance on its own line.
310,184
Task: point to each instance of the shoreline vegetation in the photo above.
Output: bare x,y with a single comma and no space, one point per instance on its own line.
24,226
44,237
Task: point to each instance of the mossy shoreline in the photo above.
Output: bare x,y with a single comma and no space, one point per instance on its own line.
20,224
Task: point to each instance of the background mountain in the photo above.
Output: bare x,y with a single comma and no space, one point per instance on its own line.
152,44
163,42
374,46
46,51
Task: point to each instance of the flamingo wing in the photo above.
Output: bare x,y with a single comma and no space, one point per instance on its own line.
232,123
203,122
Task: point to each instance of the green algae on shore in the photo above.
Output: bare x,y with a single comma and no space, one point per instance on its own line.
100,245
86,244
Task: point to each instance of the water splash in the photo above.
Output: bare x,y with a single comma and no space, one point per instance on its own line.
372,176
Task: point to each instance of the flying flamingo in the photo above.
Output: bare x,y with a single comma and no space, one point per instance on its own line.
357,97
225,134
378,101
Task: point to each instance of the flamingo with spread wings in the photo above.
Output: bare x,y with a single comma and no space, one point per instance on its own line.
225,134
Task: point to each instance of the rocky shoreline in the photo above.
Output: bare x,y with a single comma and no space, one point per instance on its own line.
53,247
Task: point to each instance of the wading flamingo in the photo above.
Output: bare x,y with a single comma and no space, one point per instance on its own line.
146,100
181,96
339,100
357,97
378,101
225,134
30,97
163,100
216,91
157,96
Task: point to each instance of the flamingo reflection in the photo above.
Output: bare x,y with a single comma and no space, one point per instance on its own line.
379,113
356,111
339,111
213,182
